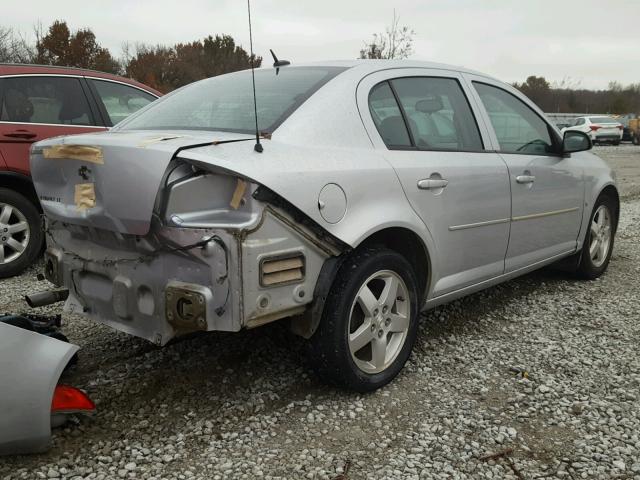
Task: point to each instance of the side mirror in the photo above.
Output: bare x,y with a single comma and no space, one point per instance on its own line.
574,141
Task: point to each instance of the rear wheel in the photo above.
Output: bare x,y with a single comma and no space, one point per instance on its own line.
598,244
369,322
21,237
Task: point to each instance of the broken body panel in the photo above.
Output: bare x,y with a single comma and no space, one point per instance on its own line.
171,247
31,366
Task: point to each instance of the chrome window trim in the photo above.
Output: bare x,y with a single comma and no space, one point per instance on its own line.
53,124
122,83
89,77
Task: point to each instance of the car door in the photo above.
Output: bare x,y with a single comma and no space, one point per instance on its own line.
422,121
546,187
116,100
34,107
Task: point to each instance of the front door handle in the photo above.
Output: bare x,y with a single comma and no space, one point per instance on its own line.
432,183
525,178
24,134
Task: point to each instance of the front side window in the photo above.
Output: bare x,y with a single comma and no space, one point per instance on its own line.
225,103
50,100
518,128
119,100
432,114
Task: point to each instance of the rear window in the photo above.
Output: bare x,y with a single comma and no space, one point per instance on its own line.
225,103
603,120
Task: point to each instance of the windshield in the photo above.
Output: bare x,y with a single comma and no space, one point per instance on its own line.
603,120
225,103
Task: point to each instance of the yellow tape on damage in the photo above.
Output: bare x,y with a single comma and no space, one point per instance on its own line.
85,196
74,152
238,193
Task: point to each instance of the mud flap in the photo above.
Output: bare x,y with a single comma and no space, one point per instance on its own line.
30,367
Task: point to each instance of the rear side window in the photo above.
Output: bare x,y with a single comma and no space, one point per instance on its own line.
50,100
518,128
432,114
387,116
119,100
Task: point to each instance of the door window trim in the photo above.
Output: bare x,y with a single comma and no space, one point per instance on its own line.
13,75
555,137
98,121
413,146
95,118
106,118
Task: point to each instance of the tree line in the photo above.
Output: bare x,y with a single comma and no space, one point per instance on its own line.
568,97
162,67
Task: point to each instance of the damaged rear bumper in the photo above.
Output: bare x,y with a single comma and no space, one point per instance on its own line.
178,280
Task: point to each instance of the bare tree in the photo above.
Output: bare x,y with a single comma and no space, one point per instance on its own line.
395,42
14,48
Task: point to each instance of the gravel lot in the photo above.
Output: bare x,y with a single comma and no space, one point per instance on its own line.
246,406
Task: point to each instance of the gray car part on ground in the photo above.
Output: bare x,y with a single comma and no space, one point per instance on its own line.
31,365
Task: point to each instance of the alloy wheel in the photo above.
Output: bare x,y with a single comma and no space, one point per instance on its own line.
379,321
14,233
600,239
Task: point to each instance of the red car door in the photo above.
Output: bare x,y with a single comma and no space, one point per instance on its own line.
35,107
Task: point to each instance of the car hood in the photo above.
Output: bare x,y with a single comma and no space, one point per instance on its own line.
110,180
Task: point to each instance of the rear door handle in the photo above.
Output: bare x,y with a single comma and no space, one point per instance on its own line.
24,134
432,183
525,178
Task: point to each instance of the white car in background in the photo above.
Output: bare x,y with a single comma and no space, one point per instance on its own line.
599,128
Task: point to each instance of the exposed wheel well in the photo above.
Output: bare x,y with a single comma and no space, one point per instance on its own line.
409,245
612,192
21,184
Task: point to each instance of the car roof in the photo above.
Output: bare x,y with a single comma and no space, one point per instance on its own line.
366,66
29,69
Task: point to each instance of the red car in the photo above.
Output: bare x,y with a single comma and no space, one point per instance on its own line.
38,102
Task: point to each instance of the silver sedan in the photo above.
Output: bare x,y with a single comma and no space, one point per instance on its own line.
378,189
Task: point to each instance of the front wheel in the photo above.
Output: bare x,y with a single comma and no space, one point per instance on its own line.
369,322
598,244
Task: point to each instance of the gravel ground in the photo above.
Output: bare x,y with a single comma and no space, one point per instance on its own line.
245,405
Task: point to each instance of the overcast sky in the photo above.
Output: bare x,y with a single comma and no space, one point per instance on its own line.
587,41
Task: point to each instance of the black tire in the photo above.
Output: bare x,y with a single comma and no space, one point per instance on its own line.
35,240
616,143
329,349
588,268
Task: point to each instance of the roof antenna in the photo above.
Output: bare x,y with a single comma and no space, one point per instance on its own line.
258,146
278,63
